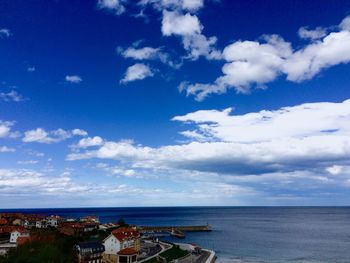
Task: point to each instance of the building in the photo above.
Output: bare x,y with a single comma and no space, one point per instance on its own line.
92,219
53,221
90,252
120,239
41,223
127,255
18,222
3,222
16,233
71,229
89,226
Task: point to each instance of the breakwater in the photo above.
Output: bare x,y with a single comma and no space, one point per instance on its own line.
204,228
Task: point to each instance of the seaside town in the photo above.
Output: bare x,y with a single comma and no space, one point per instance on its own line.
53,238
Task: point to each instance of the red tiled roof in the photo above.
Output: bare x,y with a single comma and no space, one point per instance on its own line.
7,229
125,233
127,251
20,229
3,221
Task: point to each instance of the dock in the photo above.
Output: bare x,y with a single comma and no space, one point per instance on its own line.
145,229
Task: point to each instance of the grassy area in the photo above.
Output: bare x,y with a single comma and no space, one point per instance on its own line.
173,253
154,260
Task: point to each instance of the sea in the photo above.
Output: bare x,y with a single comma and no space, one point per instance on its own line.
245,234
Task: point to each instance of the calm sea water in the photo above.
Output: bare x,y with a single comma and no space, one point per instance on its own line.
247,234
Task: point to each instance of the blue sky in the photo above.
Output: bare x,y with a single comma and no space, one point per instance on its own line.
164,102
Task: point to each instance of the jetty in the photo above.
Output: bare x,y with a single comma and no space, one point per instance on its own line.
147,229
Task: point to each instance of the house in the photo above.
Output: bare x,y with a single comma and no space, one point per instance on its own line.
120,239
53,220
89,226
90,252
92,219
18,232
127,255
3,222
41,223
71,229
18,222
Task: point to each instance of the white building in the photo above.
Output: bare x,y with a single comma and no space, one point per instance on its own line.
53,221
120,239
18,233
41,224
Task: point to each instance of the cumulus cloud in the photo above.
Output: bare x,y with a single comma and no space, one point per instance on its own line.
31,69
292,138
180,5
148,53
174,23
73,79
5,128
5,149
89,142
189,28
27,162
115,6
5,33
42,136
11,96
256,63
137,71
79,132
117,170
312,34
334,169
297,121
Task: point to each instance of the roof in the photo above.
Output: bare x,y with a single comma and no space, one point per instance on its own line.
20,230
125,233
3,221
95,245
127,251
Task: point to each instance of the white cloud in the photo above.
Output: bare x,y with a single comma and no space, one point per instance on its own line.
189,28
145,53
312,34
179,5
114,6
11,96
89,142
5,149
175,23
31,69
79,132
292,138
148,53
256,63
137,71
73,79
306,63
117,170
41,136
199,45
192,5
334,170
27,162
288,122
5,33
5,128
345,24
